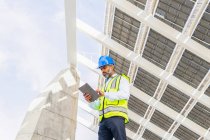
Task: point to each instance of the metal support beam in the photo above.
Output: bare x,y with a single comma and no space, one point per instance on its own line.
93,125
109,17
86,124
70,17
138,49
141,38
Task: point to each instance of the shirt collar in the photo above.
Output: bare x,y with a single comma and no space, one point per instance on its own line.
115,74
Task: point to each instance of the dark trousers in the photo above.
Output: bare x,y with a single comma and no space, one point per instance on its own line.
110,128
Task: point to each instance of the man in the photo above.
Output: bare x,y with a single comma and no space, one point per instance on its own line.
112,103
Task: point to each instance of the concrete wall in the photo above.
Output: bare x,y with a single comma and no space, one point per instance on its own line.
52,115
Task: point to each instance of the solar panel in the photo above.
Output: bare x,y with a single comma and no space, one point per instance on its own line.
191,69
146,82
161,120
207,92
184,133
132,125
121,64
137,106
174,12
158,49
174,98
148,135
125,29
139,3
200,114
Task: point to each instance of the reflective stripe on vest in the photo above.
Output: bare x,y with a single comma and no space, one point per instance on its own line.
109,109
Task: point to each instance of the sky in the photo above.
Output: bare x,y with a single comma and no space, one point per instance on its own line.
33,51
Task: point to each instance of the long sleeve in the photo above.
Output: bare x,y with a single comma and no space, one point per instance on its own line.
95,105
123,92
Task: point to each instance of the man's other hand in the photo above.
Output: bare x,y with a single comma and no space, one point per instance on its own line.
100,93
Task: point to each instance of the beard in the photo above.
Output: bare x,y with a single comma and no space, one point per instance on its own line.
107,74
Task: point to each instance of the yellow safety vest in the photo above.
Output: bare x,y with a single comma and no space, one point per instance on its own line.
113,108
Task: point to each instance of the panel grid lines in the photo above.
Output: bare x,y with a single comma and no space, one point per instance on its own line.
137,106
139,3
125,29
207,92
161,120
146,82
174,98
132,125
201,115
158,49
184,133
148,135
191,69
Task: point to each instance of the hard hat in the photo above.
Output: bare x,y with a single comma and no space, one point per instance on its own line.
105,60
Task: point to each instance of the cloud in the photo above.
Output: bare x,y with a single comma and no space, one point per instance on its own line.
9,121
32,52
3,59
59,18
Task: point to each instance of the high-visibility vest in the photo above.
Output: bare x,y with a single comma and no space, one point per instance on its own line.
113,108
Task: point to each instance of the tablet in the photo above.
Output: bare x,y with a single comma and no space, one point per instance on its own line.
86,88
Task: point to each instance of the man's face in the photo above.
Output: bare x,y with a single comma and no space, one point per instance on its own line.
107,70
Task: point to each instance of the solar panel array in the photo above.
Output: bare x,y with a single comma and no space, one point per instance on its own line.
158,49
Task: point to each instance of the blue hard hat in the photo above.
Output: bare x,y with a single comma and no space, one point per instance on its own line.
105,60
